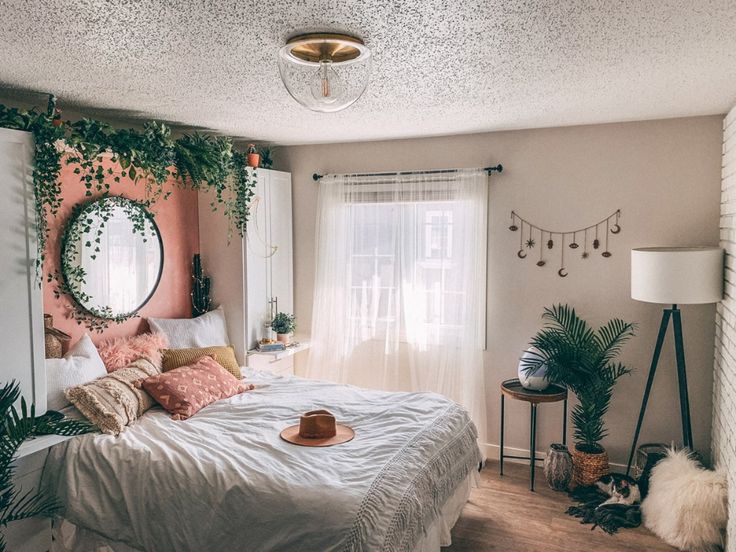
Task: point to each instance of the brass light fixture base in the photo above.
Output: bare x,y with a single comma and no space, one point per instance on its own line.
336,47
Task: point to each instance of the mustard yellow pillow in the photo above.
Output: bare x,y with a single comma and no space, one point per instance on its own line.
176,358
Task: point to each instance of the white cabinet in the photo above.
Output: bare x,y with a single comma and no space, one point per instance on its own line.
21,312
269,256
250,275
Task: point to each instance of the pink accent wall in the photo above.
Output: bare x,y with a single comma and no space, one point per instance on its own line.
178,223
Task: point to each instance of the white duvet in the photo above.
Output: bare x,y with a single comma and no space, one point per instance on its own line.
225,481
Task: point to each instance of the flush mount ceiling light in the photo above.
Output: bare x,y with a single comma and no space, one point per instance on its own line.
325,71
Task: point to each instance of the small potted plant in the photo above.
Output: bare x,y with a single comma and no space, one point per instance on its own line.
283,324
266,157
583,360
254,158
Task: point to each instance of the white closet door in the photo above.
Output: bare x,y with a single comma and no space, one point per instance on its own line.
21,315
258,251
280,229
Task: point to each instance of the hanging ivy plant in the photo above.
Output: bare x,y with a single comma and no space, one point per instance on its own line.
149,155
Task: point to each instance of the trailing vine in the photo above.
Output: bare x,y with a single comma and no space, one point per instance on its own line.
47,131
102,155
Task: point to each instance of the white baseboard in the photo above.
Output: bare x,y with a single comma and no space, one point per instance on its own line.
493,452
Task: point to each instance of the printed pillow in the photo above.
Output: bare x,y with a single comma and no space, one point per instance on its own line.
114,401
80,365
208,330
185,391
225,357
118,352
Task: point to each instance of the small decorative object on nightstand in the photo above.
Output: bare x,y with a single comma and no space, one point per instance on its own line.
513,389
283,324
536,379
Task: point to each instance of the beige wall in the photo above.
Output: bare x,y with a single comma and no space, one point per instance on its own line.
665,178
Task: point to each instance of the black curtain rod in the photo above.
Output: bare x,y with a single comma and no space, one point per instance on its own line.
489,170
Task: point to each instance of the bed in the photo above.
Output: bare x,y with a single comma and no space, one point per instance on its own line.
224,480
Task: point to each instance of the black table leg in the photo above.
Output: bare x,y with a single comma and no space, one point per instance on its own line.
533,446
564,423
500,458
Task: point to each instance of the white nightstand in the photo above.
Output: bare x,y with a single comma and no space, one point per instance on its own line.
280,363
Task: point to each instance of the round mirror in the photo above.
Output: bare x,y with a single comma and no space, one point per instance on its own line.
112,257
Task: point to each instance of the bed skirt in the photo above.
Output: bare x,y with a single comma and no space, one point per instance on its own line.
68,537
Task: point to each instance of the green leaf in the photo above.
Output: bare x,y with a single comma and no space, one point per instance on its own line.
581,359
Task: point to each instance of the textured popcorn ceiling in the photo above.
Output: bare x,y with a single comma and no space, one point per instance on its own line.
440,66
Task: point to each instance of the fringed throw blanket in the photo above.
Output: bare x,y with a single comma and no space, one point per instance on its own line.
610,517
224,480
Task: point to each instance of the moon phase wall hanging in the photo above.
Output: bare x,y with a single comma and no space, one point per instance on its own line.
553,243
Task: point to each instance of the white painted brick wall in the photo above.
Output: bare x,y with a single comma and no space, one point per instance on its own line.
724,377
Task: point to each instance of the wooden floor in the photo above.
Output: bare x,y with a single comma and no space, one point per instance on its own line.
503,515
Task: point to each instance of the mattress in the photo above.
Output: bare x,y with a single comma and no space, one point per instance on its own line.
224,480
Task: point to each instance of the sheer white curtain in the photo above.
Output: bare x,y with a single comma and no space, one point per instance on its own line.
400,291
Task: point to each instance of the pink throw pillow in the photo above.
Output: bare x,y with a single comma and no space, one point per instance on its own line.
118,352
185,391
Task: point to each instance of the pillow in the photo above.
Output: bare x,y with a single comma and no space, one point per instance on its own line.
208,330
80,365
113,402
185,391
225,357
687,505
118,352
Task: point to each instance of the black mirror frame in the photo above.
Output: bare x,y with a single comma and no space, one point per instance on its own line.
72,287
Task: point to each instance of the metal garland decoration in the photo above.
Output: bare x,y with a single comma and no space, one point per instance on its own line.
567,238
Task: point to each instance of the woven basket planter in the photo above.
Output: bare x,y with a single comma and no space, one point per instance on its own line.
587,468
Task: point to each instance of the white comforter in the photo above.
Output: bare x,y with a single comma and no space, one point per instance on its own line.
224,480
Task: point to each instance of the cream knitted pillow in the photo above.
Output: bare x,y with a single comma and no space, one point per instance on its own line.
113,402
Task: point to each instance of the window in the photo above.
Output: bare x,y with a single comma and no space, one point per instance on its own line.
402,262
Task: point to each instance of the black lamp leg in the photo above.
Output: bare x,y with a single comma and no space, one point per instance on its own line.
650,380
687,431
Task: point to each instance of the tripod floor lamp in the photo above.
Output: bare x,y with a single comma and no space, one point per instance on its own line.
674,276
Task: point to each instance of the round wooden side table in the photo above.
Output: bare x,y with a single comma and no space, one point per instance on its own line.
514,390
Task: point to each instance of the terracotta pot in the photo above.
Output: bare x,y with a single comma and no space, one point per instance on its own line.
588,467
254,159
283,338
558,467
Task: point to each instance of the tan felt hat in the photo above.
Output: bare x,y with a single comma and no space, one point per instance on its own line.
317,429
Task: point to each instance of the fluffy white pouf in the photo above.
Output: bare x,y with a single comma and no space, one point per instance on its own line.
687,504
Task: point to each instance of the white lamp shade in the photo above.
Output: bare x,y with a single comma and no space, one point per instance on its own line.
677,275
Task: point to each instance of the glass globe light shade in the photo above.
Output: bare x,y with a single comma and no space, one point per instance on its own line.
323,72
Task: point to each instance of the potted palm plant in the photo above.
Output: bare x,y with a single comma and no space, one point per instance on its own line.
15,428
583,360
283,324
